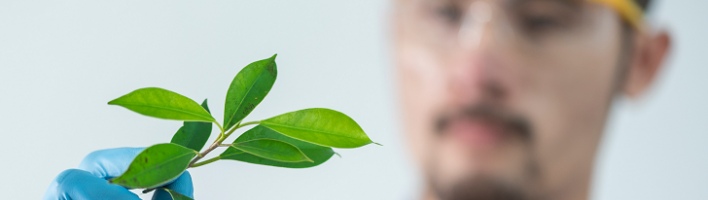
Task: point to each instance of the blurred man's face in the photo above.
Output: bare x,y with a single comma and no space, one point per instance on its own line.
506,99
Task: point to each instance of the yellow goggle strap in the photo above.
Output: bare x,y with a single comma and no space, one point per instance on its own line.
628,10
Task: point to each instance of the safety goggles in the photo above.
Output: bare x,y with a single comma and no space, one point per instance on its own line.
528,27
628,9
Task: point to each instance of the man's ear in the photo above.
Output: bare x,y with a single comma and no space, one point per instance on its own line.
650,51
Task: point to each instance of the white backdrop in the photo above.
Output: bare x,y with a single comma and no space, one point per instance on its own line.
61,61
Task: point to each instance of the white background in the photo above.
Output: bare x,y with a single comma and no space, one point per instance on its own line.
61,61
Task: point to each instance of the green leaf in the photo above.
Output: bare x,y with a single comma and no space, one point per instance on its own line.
320,126
176,195
155,166
164,104
272,149
193,135
318,154
248,89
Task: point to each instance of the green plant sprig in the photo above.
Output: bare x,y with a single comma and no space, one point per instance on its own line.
299,139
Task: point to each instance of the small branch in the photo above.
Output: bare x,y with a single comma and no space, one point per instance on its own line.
248,123
218,142
206,162
225,145
231,131
148,190
220,127
205,152
239,126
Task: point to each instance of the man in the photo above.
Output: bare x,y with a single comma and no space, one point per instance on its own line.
502,99
507,99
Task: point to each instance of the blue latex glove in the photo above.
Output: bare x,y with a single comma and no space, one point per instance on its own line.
89,181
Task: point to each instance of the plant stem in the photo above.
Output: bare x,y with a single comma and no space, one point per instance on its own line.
220,128
148,190
231,131
218,142
225,145
206,162
205,152
248,123
241,125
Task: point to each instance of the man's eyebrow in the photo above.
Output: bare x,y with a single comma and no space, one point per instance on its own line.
568,3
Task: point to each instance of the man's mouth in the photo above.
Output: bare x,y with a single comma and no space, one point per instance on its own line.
477,132
483,126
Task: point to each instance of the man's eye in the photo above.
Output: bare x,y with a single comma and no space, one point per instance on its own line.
449,13
540,23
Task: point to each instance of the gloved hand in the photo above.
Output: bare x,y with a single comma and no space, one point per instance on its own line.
89,181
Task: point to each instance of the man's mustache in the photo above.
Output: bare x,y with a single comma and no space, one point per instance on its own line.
515,123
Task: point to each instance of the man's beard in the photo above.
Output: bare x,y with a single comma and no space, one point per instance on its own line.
481,188
487,186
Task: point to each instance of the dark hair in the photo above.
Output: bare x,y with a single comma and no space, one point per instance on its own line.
644,4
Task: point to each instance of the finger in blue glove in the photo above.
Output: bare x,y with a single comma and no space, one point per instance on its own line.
89,181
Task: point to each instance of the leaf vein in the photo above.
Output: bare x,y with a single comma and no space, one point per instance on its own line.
166,108
161,164
244,98
313,130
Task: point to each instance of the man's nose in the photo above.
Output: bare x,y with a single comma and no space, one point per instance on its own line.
474,25
475,73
